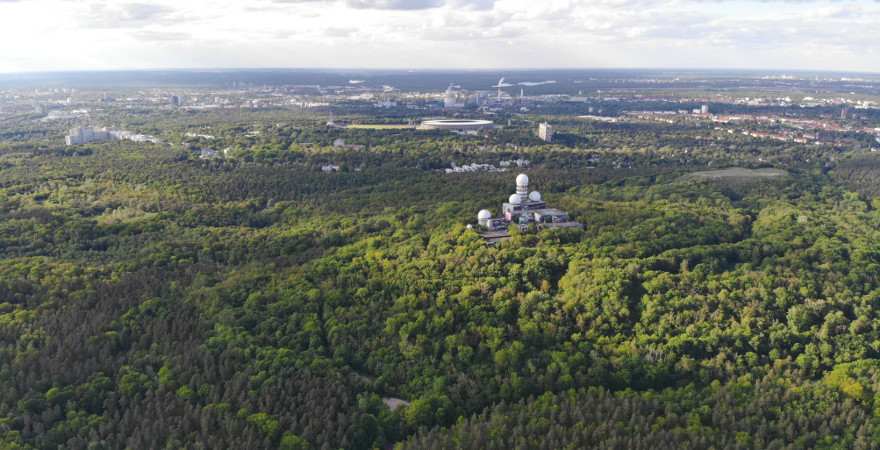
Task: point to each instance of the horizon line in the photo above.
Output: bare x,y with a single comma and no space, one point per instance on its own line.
431,69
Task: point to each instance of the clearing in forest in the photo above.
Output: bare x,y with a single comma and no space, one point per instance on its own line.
737,174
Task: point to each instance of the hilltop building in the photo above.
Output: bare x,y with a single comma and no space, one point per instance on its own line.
522,208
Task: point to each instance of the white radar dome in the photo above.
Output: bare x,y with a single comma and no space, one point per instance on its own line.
484,214
522,180
535,196
514,199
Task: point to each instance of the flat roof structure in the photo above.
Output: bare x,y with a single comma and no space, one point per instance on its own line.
549,212
495,236
569,224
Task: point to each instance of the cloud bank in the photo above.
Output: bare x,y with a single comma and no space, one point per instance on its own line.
105,34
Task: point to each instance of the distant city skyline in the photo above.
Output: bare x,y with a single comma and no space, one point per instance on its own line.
57,35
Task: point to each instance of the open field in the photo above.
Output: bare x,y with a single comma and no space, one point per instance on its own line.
381,126
738,173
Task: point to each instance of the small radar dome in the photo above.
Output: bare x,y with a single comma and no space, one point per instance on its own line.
514,199
484,214
535,196
522,180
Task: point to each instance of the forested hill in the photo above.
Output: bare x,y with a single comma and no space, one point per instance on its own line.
149,300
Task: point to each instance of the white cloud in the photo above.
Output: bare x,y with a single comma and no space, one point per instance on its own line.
151,35
124,15
404,5
99,34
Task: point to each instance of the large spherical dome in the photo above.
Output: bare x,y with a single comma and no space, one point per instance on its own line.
484,214
535,196
514,199
522,180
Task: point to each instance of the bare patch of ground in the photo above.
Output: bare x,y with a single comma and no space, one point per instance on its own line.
394,403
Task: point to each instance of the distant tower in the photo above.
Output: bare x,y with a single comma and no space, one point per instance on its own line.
174,100
499,86
545,132
844,113
704,109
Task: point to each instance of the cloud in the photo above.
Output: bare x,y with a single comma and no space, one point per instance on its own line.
404,5
473,4
400,5
153,35
339,32
468,34
303,1
429,33
126,15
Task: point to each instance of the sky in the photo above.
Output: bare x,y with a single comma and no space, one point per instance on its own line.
51,35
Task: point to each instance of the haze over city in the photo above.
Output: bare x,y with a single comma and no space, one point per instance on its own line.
51,35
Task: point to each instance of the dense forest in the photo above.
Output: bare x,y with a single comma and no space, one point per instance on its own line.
151,299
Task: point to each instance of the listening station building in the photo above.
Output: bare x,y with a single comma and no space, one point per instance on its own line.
522,208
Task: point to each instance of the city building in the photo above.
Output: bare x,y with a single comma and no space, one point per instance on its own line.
331,122
208,153
704,110
545,132
83,135
453,99
174,100
523,209
340,143
87,135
